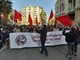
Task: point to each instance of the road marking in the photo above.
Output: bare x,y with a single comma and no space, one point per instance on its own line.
2,48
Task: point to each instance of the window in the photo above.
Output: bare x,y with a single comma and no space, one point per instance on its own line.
62,6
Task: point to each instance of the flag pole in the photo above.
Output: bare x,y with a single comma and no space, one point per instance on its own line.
13,16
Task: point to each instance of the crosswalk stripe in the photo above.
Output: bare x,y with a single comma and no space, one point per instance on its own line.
2,48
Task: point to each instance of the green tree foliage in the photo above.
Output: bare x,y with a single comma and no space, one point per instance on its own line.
43,17
5,6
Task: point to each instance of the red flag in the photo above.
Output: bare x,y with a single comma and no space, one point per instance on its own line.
30,19
51,15
17,16
65,20
36,20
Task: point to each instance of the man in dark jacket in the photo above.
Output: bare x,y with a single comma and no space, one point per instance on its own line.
70,38
43,33
1,38
78,33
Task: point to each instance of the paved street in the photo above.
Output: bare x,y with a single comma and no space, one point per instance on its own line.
55,53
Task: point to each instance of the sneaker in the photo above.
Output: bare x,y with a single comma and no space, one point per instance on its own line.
70,57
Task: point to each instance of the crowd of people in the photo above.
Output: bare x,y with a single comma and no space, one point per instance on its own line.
71,36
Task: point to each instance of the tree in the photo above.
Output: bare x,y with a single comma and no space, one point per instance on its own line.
5,6
43,17
5,9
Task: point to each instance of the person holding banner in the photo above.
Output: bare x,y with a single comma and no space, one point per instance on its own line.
43,34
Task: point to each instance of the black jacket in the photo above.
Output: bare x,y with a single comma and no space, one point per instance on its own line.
78,31
43,33
70,36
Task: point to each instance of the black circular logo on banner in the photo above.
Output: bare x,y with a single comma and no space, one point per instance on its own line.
20,40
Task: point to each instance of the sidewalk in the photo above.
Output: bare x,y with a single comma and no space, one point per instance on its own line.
55,53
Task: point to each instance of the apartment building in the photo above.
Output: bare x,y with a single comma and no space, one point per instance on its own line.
33,11
70,8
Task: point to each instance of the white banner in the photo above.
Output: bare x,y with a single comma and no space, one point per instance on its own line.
20,40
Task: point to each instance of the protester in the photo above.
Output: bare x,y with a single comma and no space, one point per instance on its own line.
5,35
16,29
70,38
77,40
30,29
43,33
1,38
78,33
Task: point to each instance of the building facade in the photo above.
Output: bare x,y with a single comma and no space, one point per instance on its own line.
34,11
70,8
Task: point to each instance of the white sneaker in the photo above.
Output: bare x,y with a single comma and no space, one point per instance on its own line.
70,57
